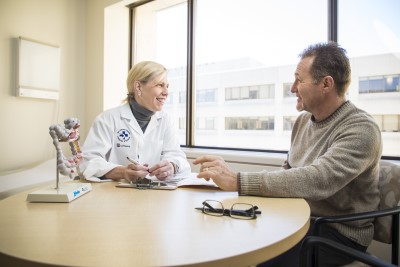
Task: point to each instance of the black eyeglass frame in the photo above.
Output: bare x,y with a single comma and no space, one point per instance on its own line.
248,214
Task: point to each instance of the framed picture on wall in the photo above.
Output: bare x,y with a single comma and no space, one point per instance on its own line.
38,69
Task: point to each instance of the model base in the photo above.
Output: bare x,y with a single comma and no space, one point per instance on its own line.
65,193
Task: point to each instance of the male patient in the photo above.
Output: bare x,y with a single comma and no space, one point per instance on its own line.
333,160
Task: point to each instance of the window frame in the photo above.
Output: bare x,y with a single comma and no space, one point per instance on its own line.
332,35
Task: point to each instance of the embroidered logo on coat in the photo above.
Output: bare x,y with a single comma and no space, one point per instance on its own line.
123,135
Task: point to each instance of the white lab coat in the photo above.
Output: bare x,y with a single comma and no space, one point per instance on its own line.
115,134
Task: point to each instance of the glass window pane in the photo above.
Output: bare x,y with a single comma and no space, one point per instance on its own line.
245,64
374,57
228,93
246,56
379,120
391,123
235,93
286,90
244,92
392,84
288,123
363,85
161,35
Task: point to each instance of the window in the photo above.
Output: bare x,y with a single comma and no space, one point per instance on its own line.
379,84
286,90
388,123
162,27
249,123
202,96
170,99
244,66
250,92
206,96
288,123
182,123
205,123
241,55
375,66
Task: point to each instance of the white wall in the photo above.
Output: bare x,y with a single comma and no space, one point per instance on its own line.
116,54
25,121
77,26
95,59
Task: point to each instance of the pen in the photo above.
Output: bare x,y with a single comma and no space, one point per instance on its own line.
133,161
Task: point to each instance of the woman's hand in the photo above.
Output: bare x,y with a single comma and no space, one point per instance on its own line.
130,173
162,170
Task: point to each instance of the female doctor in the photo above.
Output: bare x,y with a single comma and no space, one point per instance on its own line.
138,129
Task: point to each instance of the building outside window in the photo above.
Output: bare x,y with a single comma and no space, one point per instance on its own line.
249,123
206,123
264,91
286,90
244,65
206,96
388,123
288,123
379,84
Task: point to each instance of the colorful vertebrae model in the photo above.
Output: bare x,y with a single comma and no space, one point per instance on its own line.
67,133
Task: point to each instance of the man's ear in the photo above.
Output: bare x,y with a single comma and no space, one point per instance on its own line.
328,84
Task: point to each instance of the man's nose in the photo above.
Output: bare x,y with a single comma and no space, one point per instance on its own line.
293,89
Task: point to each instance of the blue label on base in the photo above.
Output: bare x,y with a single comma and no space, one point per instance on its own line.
77,192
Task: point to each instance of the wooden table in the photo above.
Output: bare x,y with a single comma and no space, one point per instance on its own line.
119,227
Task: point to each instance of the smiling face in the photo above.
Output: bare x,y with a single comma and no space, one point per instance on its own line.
153,94
308,91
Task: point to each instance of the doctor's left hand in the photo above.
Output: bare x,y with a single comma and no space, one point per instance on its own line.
162,170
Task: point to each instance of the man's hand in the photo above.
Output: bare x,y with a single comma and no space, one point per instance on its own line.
215,167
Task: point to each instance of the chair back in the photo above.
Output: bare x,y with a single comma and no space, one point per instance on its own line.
389,187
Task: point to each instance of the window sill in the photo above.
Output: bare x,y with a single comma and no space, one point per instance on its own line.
239,157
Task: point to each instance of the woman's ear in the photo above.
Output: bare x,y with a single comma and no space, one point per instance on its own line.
137,88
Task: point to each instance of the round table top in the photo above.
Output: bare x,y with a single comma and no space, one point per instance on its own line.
112,226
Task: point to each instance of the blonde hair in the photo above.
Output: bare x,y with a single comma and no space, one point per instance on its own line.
143,72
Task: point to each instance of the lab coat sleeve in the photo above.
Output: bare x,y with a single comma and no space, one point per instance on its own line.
97,146
172,151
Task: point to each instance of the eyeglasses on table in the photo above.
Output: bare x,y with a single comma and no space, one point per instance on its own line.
243,211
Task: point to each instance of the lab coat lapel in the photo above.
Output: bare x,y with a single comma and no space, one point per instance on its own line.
154,122
127,114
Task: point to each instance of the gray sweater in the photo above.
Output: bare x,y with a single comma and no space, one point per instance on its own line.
332,164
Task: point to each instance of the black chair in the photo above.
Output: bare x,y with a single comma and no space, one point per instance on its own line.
311,242
386,223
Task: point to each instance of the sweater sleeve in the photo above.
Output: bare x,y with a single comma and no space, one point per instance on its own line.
323,164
